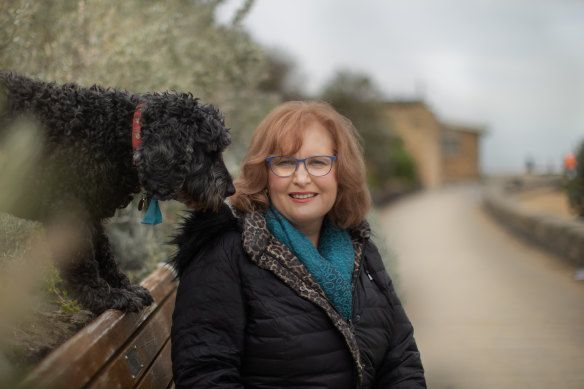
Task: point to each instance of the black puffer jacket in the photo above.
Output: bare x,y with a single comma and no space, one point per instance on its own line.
248,314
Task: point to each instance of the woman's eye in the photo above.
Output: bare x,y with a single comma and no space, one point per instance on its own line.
285,162
317,162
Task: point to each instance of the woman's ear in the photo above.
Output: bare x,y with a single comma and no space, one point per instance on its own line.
162,159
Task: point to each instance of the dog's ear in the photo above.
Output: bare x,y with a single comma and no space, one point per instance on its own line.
210,128
163,157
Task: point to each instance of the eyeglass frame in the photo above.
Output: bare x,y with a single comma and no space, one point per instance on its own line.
303,160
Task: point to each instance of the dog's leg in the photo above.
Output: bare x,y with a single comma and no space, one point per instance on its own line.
81,273
82,254
108,269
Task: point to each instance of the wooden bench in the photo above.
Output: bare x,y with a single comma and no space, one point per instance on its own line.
117,350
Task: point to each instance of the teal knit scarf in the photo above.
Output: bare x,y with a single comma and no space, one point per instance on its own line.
331,265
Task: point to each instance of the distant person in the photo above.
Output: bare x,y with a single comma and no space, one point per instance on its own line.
288,290
570,166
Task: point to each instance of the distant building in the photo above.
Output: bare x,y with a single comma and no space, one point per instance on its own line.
421,134
460,152
442,152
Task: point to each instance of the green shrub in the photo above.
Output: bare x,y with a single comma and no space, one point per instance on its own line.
56,292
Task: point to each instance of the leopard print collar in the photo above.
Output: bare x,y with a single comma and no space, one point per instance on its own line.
257,238
270,254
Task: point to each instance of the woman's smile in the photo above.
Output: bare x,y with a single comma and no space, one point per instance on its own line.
300,197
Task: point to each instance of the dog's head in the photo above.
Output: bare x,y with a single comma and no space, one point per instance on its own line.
180,156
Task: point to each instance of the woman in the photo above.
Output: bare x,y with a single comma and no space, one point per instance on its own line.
288,290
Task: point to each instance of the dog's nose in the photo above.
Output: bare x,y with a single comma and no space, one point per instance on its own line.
229,190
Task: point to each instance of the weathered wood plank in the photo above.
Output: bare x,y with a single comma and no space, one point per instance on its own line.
126,368
160,373
74,363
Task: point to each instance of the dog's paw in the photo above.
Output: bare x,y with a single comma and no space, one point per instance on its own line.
137,298
143,294
125,300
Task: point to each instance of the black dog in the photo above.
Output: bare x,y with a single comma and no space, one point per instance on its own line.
88,168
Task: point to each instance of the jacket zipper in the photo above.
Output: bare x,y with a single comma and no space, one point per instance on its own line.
366,268
369,275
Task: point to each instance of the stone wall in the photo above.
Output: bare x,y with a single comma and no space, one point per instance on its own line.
562,236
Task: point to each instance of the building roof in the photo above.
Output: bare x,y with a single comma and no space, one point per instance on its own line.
447,125
460,127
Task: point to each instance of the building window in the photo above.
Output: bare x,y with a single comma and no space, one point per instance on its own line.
450,143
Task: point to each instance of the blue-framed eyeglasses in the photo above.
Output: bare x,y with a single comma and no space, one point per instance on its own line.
317,165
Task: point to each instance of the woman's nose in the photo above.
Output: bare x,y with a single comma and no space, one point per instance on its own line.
301,174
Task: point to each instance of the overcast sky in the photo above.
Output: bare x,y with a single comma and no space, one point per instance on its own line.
514,66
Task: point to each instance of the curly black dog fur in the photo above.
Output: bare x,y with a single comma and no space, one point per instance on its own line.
87,168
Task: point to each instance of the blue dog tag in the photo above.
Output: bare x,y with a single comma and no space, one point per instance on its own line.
153,215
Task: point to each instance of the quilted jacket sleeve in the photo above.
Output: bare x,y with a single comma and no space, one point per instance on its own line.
402,365
209,319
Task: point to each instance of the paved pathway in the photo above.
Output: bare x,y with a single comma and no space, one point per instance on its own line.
489,311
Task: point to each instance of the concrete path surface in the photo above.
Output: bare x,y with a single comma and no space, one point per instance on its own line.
489,310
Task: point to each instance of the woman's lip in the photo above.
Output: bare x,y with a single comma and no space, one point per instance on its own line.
309,196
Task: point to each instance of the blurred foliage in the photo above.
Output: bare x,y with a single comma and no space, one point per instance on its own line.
19,152
575,185
356,97
15,237
281,78
141,247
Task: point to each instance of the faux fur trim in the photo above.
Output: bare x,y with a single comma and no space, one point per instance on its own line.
197,230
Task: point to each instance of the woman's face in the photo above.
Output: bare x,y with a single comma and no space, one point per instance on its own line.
303,199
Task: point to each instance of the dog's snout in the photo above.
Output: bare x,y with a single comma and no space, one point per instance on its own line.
230,190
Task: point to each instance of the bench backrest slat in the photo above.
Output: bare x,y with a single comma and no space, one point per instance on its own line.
141,351
160,374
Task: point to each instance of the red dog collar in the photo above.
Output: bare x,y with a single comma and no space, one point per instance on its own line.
137,127
153,215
